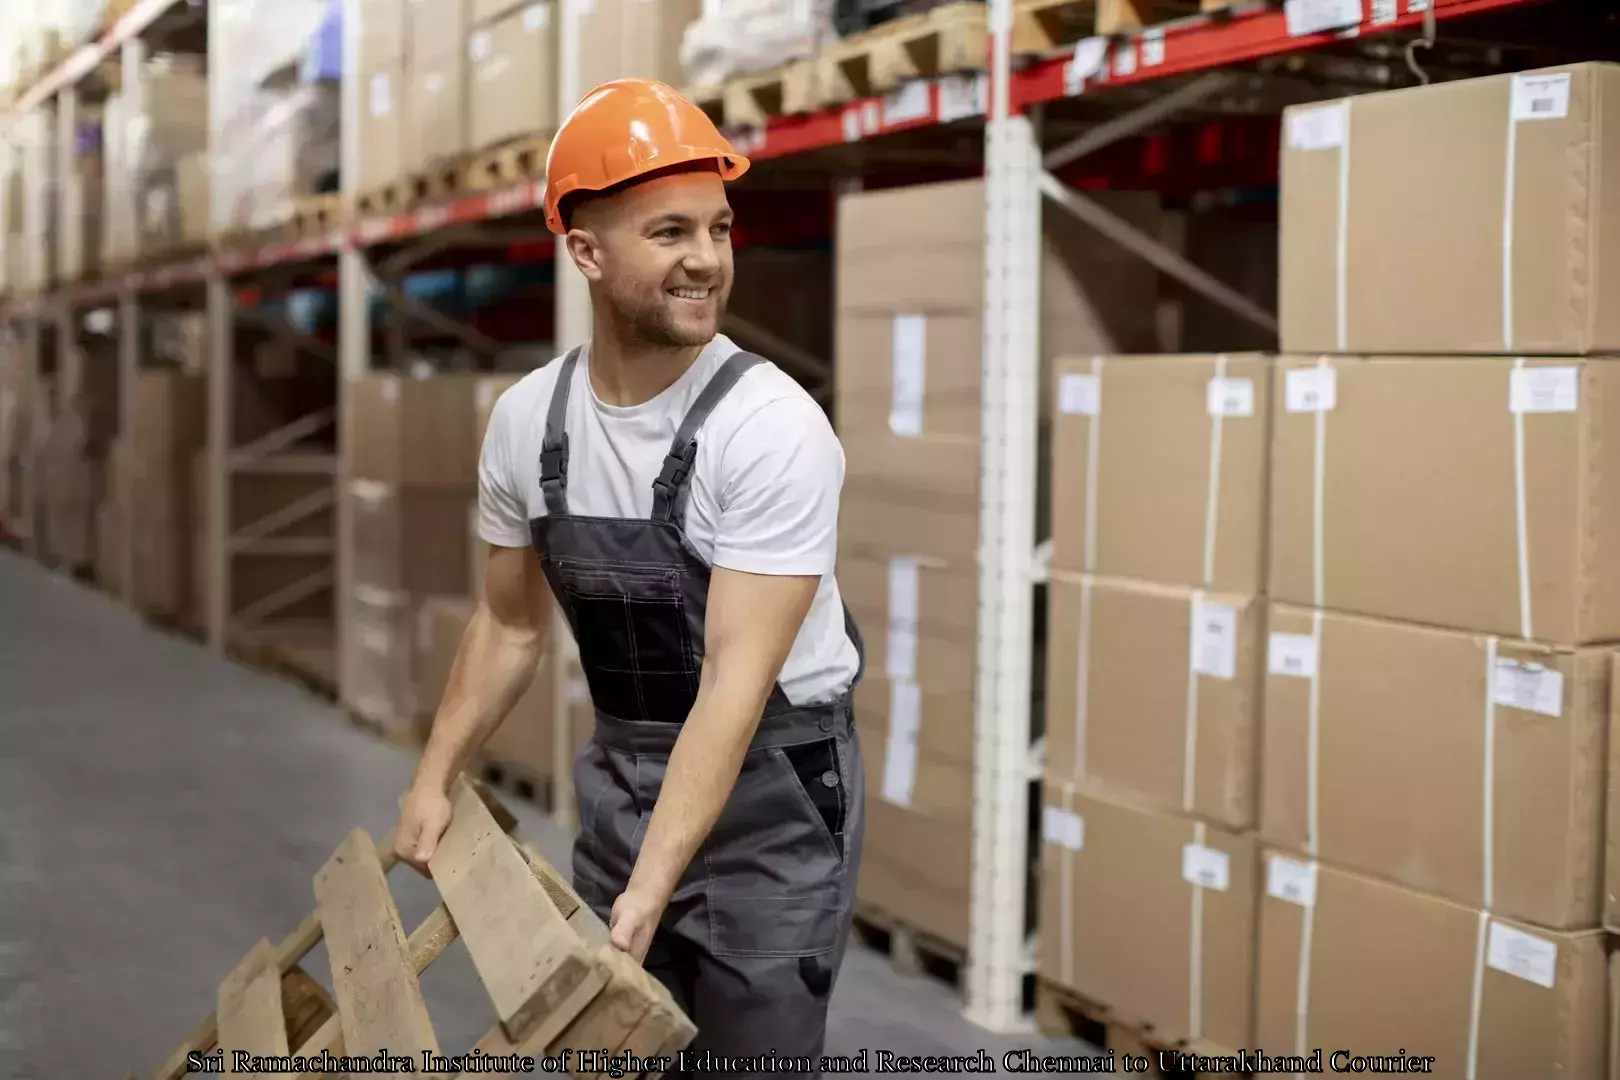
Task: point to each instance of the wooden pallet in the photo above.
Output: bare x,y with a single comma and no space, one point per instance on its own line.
390,198
910,951
508,163
1062,1013
519,781
950,39
1044,26
317,215
556,983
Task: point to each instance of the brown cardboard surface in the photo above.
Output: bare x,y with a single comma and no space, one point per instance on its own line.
1386,970
1123,924
1419,516
411,539
435,27
414,431
1515,256
1122,650
378,660
1393,700
523,739
1180,474
917,618
918,753
511,77
653,30
382,130
484,12
916,496
435,123
384,32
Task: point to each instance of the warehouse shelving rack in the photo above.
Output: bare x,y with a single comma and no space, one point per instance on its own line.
1176,66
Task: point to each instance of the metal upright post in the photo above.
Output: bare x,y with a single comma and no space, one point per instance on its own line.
1010,395
221,360
132,57
354,329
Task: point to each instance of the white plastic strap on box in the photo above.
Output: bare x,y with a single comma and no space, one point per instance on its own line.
1313,751
1093,468
1082,680
1487,859
1066,887
1212,507
1341,254
1521,517
1319,496
1195,951
1189,753
1302,985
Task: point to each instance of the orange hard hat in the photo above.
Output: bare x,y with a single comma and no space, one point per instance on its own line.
625,129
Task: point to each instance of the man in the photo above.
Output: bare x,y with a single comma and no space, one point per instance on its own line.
679,499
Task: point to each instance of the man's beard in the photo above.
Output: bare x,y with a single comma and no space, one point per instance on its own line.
646,320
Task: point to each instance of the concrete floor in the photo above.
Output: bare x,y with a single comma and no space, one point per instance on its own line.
161,810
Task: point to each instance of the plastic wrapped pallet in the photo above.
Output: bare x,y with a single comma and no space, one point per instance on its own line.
738,37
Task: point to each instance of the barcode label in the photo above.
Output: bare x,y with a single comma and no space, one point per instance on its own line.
1540,97
1312,389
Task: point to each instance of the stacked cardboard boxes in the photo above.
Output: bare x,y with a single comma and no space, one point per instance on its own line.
909,307
413,471
1437,696
1156,630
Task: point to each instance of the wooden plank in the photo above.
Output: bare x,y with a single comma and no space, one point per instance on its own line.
379,999
538,973
249,1006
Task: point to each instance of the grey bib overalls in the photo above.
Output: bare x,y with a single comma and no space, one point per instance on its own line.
753,936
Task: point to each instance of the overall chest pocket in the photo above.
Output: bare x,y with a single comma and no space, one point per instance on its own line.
635,640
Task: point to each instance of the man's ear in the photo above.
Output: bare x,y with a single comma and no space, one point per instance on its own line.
586,251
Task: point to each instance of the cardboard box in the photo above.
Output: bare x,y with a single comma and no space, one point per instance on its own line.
1151,915
384,32
1153,691
917,616
918,496
379,660
417,432
411,539
653,30
1611,858
488,392
382,128
1522,730
435,27
1509,248
1177,491
485,12
512,77
1381,970
435,125
523,741
1406,498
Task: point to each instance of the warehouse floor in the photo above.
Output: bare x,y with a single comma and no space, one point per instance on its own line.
161,810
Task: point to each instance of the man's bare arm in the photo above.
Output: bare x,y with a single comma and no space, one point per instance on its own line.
494,665
750,625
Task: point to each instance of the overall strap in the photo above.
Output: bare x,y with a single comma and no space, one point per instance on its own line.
670,489
554,448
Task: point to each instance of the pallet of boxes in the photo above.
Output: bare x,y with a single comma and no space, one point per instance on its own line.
1385,774
910,280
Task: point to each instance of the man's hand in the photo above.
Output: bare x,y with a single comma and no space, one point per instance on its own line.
424,815
631,924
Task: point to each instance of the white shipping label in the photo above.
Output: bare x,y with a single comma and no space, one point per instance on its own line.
912,102
852,125
910,363
902,640
900,754
1312,389
1540,97
576,692
1080,395
1319,16
961,96
1292,654
1291,880
1532,958
1321,127
382,99
536,17
1206,867
433,83
1529,686
1063,827
1231,397
1125,58
479,47
1214,639
1383,12
1152,48
1544,389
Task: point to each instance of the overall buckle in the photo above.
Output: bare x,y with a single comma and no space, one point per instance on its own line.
554,463
676,467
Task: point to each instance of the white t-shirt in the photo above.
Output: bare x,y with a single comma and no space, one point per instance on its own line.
763,495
